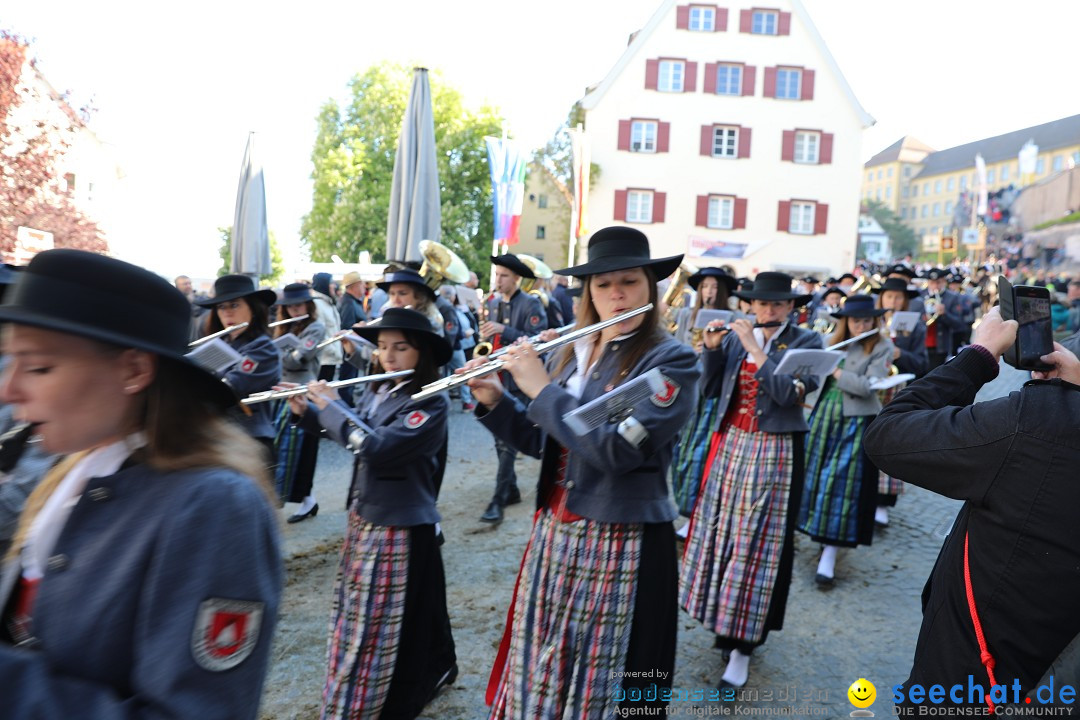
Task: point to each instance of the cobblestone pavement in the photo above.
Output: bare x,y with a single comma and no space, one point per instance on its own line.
864,627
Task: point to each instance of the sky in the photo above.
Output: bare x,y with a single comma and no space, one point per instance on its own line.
178,86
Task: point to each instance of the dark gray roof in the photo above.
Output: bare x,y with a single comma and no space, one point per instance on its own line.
1048,136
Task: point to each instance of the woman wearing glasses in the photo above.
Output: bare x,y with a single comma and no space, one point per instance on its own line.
236,301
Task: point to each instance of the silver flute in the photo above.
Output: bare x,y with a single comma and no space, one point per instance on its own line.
219,333
268,395
534,339
494,366
286,321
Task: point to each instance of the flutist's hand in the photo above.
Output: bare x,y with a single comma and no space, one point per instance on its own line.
528,370
1066,366
713,339
549,335
297,403
321,394
487,390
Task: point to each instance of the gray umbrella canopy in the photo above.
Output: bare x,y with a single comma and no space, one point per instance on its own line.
250,240
414,214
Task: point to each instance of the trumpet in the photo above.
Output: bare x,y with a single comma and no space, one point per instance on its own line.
268,395
286,321
495,366
219,333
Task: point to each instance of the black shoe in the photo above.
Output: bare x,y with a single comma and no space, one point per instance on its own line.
304,516
724,685
440,539
515,497
448,678
493,514
824,581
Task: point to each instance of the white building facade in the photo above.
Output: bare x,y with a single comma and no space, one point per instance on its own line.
728,132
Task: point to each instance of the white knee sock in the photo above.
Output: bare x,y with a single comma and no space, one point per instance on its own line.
827,565
881,515
738,669
306,505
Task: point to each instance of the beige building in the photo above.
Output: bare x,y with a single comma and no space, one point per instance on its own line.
923,186
728,132
545,218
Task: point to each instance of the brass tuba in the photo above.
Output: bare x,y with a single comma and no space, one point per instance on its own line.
541,271
675,295
441,265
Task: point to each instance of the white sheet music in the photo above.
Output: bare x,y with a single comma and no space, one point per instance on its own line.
617,405
903,321
805,362
704,317
215,355
287,343
358,341
892,381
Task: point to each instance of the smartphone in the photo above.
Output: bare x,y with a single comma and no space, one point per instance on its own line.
1030,307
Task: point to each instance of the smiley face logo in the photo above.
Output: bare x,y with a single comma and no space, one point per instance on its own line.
862,693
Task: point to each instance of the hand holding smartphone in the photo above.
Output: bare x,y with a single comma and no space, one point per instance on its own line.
1030,307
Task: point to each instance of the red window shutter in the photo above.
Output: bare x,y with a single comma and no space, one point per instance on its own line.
738,219
770,83
682,17
825,152
663,134
690,83
706,140
783,26
807,90
620,205
783,217
702,218
721,20
709,85
659,206
787,146
624,134
744,142
652,74
748,73
746,20
821,218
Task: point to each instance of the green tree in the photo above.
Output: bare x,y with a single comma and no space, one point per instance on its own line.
353,159
902,239
558,157
277,262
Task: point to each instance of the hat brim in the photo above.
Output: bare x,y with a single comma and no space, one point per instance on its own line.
518,267
768,295
661,267
268,297
910,293
294,301
731,283
437,345
385,287
214,389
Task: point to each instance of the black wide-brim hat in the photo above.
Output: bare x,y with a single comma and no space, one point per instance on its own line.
296,293
513,263
111,301
847,276
859,306
896,285
833,291
404,319
621,248
773,286
901,269
934,274
231,287
405,275
721,276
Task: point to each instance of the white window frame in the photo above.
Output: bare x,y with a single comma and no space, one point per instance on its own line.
731,81
925,210
1040,165
643,136
639,206
888,192
721,215
937,186
950,184
807,147
801,218
725,139
1004,172
671,76
991,176
937,209
702,18
948,207
1057,163
798,73
914,189
541,232
765,22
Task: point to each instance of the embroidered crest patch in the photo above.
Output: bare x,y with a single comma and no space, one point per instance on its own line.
415,419
449,326
226,631
667,396
247,365
309,343
534,320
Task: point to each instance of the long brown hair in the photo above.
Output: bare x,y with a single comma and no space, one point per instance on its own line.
184,431
425,371
647,336
903,308
843,332
300,325
259,320
720,303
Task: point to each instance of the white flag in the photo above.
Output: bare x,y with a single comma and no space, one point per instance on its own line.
980,184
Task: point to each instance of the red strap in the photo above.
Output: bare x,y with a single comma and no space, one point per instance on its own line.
504,644
984,653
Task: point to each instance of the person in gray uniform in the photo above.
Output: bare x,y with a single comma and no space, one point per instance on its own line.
145,577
